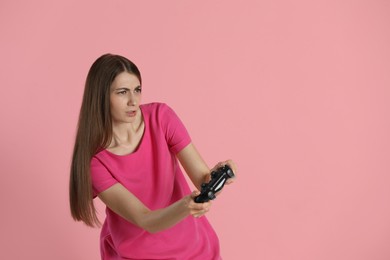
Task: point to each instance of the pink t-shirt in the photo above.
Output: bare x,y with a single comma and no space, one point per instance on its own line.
152,173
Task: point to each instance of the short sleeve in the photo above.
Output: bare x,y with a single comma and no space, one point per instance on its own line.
176,134
101,178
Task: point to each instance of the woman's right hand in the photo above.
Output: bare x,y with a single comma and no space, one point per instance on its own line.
197,210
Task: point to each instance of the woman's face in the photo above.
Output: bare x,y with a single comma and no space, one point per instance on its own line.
125,98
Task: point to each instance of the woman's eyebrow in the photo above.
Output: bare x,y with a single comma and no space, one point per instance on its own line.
125,88
122,88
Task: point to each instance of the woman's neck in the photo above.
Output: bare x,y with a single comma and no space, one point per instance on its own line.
125,134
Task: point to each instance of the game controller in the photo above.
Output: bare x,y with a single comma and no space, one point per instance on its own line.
218,179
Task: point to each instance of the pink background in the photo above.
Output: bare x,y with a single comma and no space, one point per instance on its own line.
296,92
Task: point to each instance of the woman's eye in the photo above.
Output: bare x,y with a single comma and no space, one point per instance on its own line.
138,90
122,92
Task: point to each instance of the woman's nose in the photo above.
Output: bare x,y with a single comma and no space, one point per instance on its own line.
132,100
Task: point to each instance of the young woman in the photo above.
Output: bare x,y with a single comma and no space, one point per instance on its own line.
128,154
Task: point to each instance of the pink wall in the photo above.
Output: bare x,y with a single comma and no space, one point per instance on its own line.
297,92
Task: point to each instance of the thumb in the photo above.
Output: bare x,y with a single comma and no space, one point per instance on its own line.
195,193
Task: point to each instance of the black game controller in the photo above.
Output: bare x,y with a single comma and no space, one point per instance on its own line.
218,179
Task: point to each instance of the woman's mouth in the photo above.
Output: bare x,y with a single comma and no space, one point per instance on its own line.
131,113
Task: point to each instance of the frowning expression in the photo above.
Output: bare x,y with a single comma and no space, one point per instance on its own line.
125,98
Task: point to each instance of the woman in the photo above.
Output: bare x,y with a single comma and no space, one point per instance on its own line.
127,154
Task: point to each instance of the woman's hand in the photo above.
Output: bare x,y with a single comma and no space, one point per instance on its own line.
196,209
231,164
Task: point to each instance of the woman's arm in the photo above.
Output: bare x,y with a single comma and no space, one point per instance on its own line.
128,206
196,168
194,165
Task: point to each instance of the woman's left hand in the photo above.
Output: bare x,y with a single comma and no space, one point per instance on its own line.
232,165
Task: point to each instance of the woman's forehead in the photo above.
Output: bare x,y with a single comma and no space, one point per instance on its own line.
125,79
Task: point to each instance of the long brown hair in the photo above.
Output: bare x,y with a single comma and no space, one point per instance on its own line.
94,132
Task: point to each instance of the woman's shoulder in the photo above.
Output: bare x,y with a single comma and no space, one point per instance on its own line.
156,109
153,106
